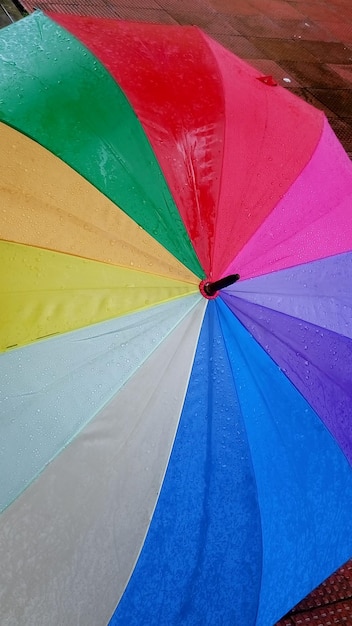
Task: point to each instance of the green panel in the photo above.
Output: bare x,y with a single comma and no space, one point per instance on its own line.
55,91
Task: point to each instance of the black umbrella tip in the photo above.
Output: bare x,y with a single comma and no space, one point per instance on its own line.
210,289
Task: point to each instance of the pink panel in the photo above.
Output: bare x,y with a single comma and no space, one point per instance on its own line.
270,136
311,221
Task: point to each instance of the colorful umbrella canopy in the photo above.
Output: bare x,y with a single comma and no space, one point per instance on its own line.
173,451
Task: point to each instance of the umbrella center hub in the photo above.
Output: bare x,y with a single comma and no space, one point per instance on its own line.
210,289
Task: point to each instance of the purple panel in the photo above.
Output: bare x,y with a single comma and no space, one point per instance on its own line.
317,361
319,292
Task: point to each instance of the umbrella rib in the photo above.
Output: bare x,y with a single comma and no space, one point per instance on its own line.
273,422
203,35
253,472
303,356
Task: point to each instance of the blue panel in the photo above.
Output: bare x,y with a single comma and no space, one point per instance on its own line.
201,561
304,481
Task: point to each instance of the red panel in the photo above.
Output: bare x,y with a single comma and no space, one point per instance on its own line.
270,136
172,80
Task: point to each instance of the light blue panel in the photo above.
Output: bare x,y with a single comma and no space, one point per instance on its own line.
303,479
51,389
201,561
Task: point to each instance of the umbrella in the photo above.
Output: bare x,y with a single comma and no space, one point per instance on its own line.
175,331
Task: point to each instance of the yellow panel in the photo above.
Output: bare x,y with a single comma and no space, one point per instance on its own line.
45,203
43,292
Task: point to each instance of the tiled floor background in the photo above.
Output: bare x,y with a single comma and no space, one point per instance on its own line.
306,45
329,605
308,42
